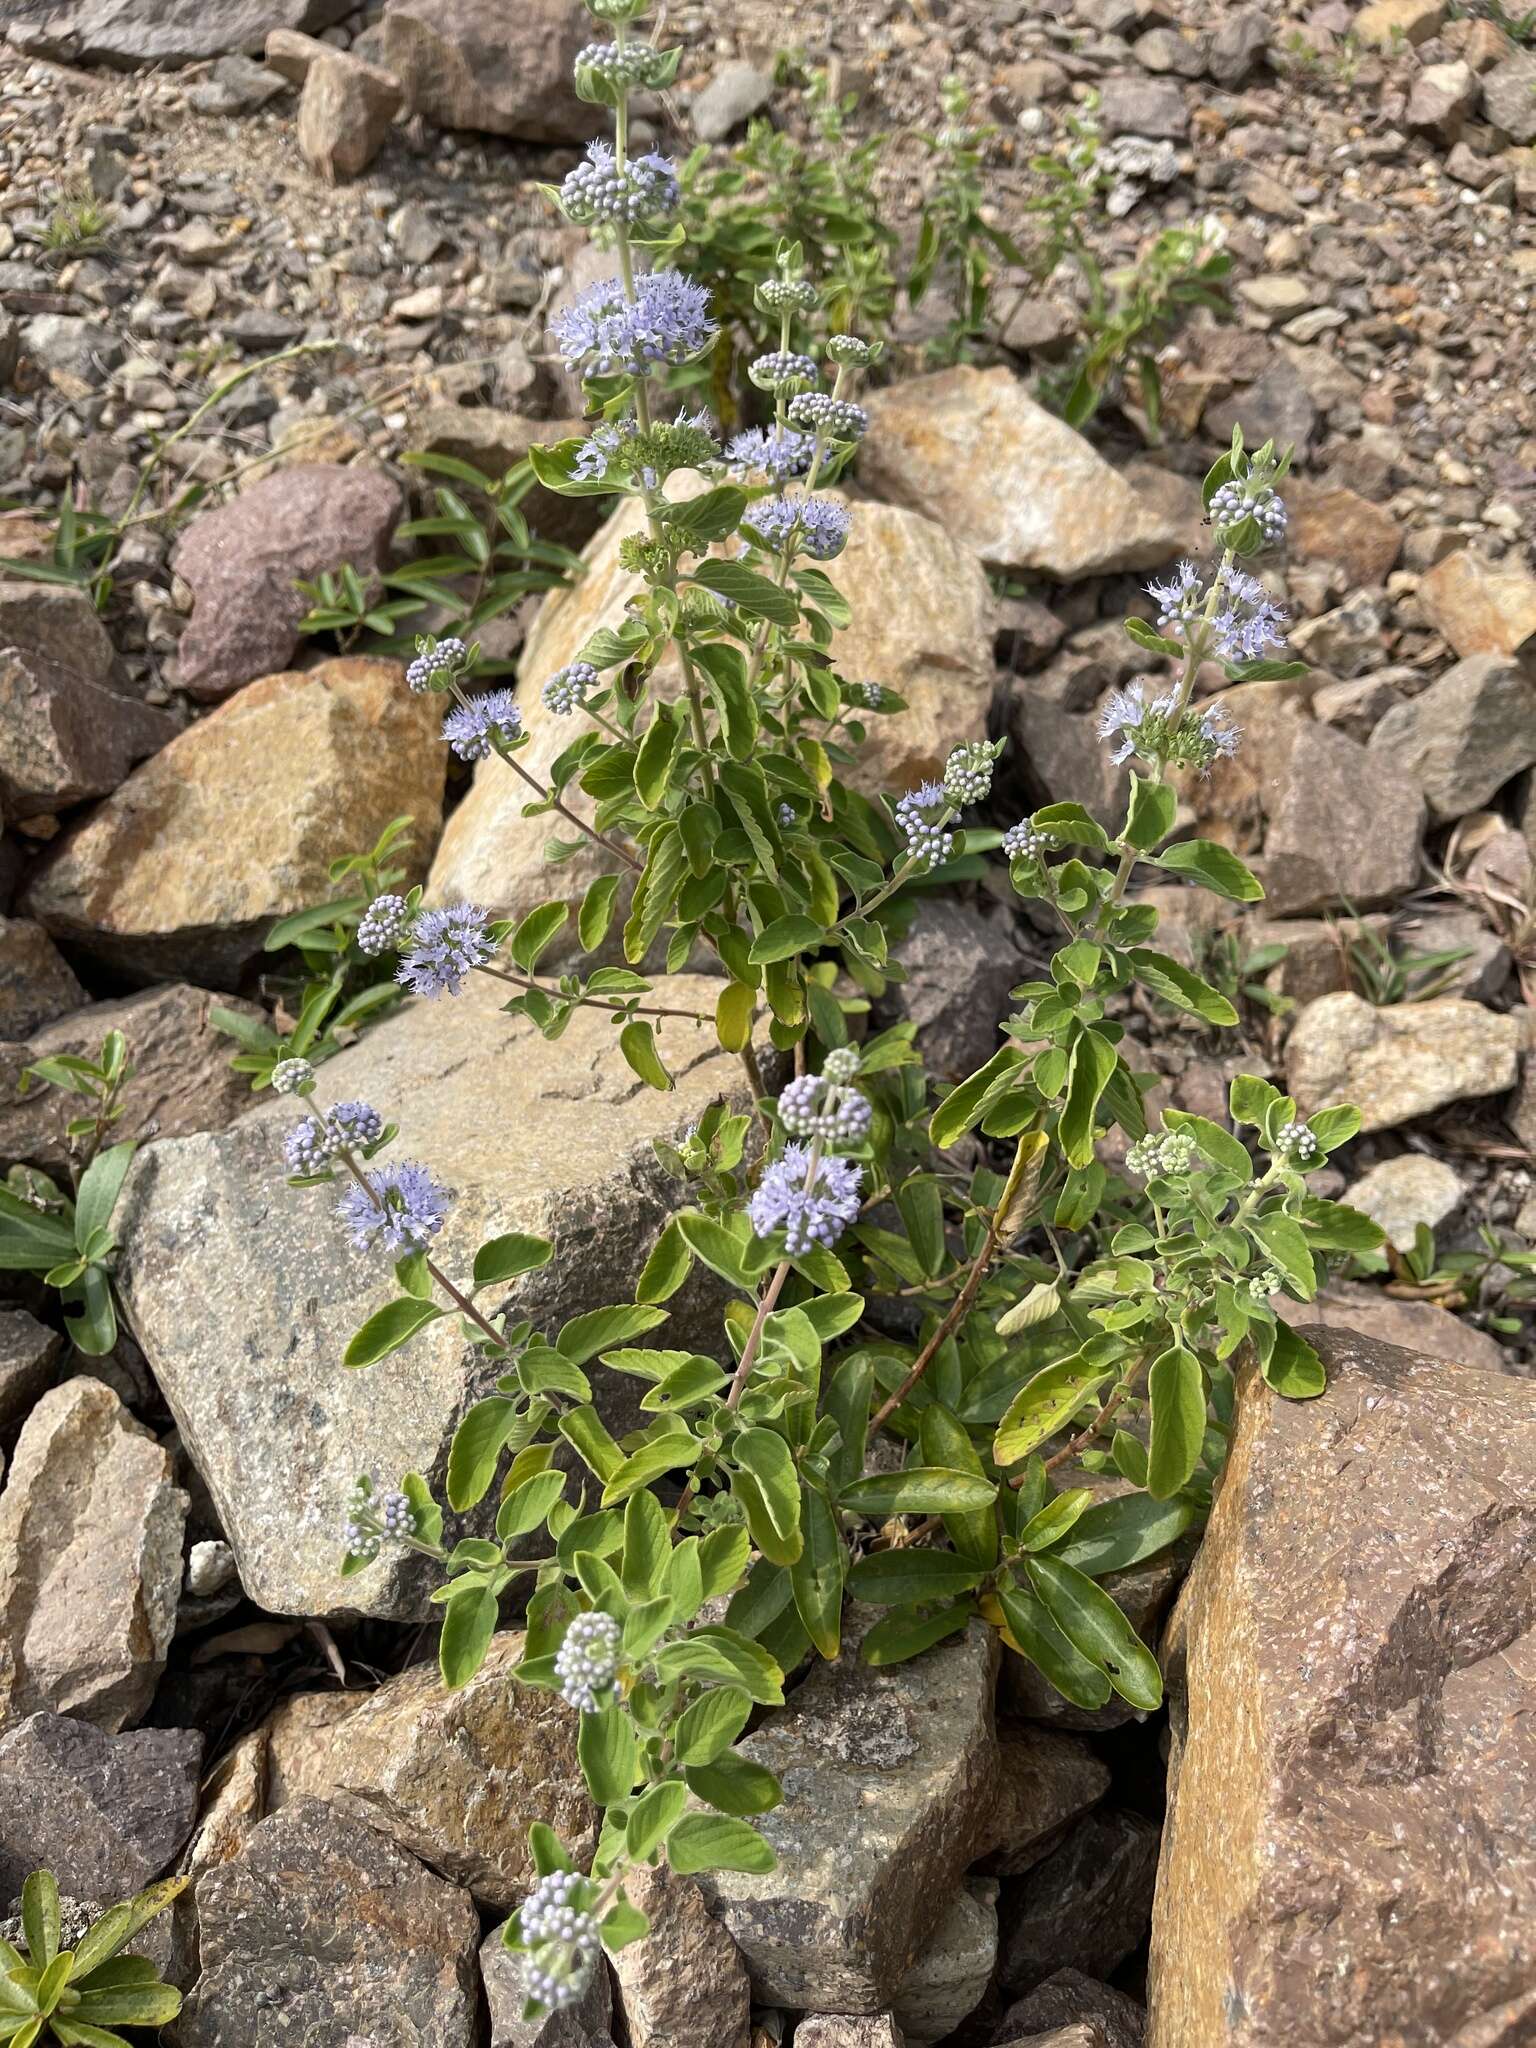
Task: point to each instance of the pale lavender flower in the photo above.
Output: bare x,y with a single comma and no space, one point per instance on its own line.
383,924
401,1208
821,412
605,334
817,527
568,686
927,840
473,729
784,452
437,664
596,190
587,1662
445,945
783,369
810,1215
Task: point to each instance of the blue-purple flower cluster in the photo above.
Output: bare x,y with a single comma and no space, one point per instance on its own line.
1244,623
784,452
567,688
817,527
783,369
1234,503
1023,842
606,334
1154,728
826,1106
445,946
921,813
384,924
374,1518
554,1924
484,723
811,1204
437,664
838,418
312,1145
400,1207
597,190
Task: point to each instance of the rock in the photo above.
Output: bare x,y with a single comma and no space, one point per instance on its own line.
1400,1062
1465,736
1044,1781
105,1813
1346,1305
1484,968
210,1568
214,1242
179,1080
454,1777
1068,1999
1275,406
65,733
1404,1192
36,985
921,626
1344,827
90,1561
960,967
888,1777
184,868
949,1979
1361,1622
582,2025
1338,525
67,347
1509,97
1344,641
345,114
470,64
234,1802
684,1983
1441,99
1133,104
1001,475
732,96
1480,607
848,2030
290,53
1062,758
1086,1906
126,32
237,85
325,1929
1386,22
28,1353
245,559
1238,47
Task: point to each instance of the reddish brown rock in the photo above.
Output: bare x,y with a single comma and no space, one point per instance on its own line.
345,113
36,984
244,561
1480,607
1345,827
1349,1855
1340,526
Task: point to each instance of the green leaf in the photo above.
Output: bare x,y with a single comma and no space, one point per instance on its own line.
720,1251
768,1489
817,1573
622,1924
1249,1100
1336,1126
534,932
1217,1144
1095,1626
962,1107
1048,1525
1113,1535
1178,986
1286,1242
723,1558
919,1490
40,1918
667,1267
1045,1404
637,1042
596,912
528,1506
1218,869
710,1725
1093,1061
647,1546
608,1753
1336,1227
600,1329
390,1327
945,1441
469,1622
100,1185
583,1429
653,762
911,1577
1076,1677
504,1258
1293,1368
1176,1388
735,1784
784,938
477,1446
1150,817
904,1634
90,1317
711,516
651,1818
712,1841
755,595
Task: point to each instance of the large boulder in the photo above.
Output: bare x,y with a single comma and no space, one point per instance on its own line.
477,64
454,1777
921,626
1402,1060
322,1931
90,1561
128,33
236,823
1348,1855
1004,477
106,1813
244,561
244,1292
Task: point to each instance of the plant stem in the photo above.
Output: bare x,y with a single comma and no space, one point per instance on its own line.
462,1300
593,1002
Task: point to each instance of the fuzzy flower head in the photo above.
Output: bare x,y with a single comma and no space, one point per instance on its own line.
485,723
968,772
1234,504
1297,1143
785,295
437,663
374,1519
587,1662
870,695
400,1207
1160,1155
783,452
820,413
445,946
604,334
827,1106
383,925
1236,611
810,1205
598,191
567,688
292,1077
783,369
817,527
1154,728
311,1146
615,65
1023,842
922,814
561,1936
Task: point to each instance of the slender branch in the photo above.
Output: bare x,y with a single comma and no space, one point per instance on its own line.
593,1002
755,1335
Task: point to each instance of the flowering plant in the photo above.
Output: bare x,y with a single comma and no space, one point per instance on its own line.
1057,1321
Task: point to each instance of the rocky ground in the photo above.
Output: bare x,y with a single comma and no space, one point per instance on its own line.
184,1683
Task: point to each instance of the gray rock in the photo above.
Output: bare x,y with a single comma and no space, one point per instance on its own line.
1404,1192
949,1978
126,32
71,346
1086,1906
1133,104
1063,759
732,96
1509,96
345,114
1345,828
1441,99
210,1568
504,1975
28,1352
848,2030
105,1813
322,1931
214,1242
1277,404
180,1081
238,85
36,983
1070,1999
1239,46
1044,1781
90,1561
685,1982
1402,1061
889,1780
475,64
1466,735
960,967
1484,968
244,560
